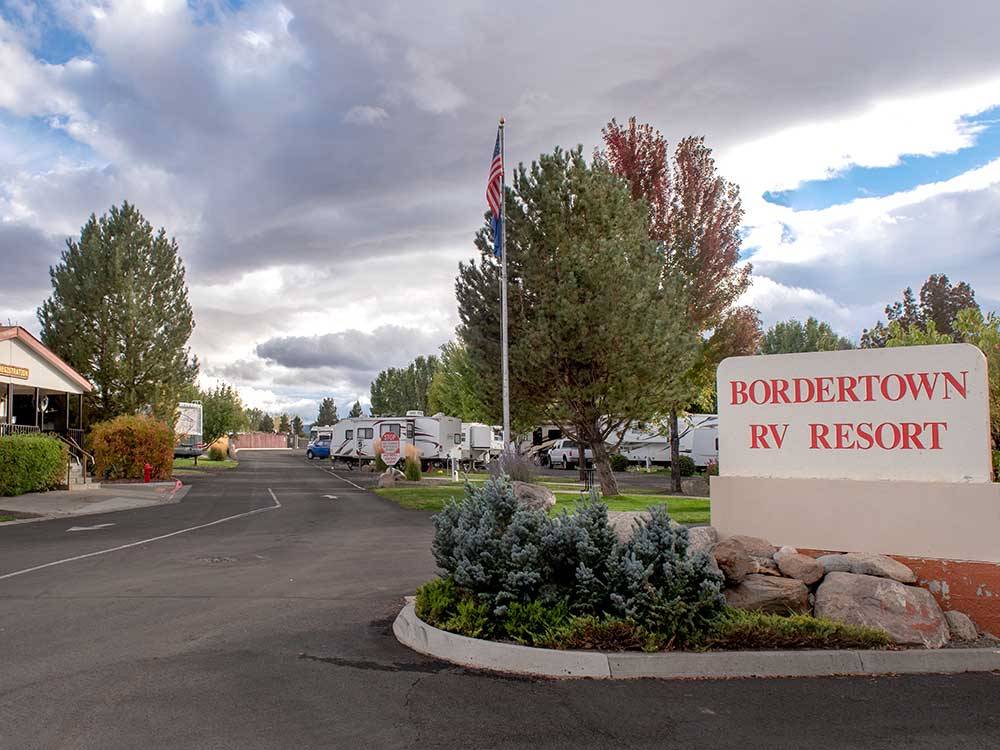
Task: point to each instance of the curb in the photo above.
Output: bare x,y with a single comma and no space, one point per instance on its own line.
413,632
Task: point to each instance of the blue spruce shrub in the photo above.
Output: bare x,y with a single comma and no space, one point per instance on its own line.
663,588
580,551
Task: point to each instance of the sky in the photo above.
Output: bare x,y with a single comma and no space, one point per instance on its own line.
322,164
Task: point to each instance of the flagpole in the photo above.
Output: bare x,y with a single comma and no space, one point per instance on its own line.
503,289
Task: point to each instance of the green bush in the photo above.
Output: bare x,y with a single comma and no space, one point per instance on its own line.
534,623
437,601
603,634
412,469
712,468
619,462
31,463
739,629
996,465
686,464
513,465
122,446
215,453
380,465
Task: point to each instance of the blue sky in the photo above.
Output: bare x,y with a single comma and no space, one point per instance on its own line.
322,164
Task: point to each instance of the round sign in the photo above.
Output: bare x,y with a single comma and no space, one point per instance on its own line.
390,448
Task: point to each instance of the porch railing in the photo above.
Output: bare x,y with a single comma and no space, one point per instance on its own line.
18,429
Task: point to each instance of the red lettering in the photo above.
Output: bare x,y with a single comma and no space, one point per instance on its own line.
935,433
766,388
926,384
799,398
911,436
864,432
823,386
846,390
900,387
880,435
815,436
951,380
739,392
778,439
758,436
780,390
842,430
869,381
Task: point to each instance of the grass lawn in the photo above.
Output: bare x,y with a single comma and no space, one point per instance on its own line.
4,517
433,497
205,463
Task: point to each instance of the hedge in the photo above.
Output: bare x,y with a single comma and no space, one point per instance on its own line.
31,463
122,446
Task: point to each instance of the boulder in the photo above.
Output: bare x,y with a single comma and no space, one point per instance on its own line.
800,567
961,626
755,546
623,522
769,594
784,551
702,538
867,564
733,560
765,566
388,478
910,615
533,496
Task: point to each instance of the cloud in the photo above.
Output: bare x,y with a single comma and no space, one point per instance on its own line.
365,114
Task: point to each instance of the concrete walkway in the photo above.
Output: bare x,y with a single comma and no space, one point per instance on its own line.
110,497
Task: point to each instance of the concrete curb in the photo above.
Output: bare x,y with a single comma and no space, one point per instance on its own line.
411,631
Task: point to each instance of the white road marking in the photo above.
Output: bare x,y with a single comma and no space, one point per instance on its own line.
276,506
90,528
331,471
330,497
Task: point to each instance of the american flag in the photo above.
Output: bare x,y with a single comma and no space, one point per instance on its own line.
493,194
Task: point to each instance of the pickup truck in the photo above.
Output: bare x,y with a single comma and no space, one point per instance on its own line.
565,454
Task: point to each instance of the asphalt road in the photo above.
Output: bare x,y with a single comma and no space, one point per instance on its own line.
272,630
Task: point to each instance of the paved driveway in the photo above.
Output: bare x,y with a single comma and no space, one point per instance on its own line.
259,617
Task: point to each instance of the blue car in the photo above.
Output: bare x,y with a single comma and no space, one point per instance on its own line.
319,447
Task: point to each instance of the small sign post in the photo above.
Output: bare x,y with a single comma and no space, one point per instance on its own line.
390,448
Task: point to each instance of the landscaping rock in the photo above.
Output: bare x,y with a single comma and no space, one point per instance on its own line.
769,594
800,567
785,551
623,522
766,566
867,564
533,496
389,477
961,626
733,560
910,615
702,538
755,546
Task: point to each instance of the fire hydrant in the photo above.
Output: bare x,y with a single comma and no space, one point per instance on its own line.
147,473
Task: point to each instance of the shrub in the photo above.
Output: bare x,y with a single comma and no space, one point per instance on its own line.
602,634
712,468
513,465
216,453
686,464
437,601
535,623
31,463
122,446
739,629
619,462
412,469
380,465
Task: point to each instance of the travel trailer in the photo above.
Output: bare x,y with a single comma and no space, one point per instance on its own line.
650,441
480,442
434,437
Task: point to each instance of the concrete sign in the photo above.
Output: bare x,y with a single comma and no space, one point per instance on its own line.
390,448
917,413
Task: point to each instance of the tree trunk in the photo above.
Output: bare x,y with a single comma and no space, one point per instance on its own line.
581,466
602,460
675,454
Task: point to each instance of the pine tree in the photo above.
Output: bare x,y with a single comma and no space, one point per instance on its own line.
297,425
356,410
284,425
119,314
327,413
266,424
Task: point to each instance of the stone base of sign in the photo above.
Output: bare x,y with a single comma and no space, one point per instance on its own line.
947,533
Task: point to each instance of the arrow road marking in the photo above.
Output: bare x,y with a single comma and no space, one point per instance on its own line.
90,528
330,497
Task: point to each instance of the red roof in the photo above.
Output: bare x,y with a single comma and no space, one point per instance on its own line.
22,335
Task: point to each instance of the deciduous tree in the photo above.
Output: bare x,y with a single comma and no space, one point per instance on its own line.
396,390
119,314
222,412
695,217
455,389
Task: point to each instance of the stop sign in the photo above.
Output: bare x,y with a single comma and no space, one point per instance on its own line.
390,448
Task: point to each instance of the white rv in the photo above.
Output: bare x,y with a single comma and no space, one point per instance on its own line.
434,437
699,439
480,442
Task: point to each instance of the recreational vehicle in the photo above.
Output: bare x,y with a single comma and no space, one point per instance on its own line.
433,437
480,442
650,441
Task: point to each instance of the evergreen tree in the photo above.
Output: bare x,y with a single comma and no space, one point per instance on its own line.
284,425
119,314
266,424
940,303
356,410
597,324
327,413
792,336
397,390
297,425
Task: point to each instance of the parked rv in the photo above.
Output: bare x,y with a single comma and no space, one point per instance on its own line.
479,443
433,437
650,441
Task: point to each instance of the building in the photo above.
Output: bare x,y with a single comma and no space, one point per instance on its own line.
38,391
